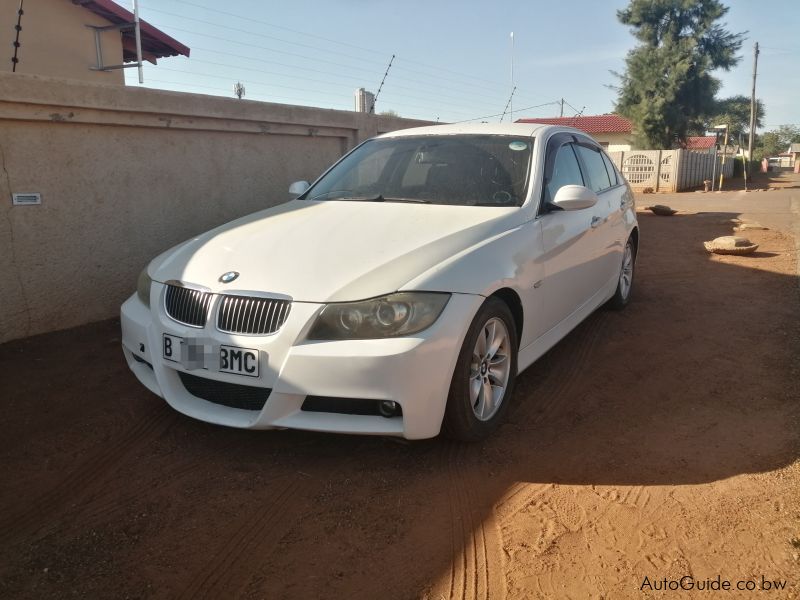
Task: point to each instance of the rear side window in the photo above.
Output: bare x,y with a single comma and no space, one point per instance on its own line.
566,171
612,172
598,176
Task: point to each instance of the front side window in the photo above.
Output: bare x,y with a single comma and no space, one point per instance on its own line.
566,171
467,170
612,172
596,169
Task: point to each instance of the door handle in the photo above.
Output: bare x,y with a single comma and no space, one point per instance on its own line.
597,221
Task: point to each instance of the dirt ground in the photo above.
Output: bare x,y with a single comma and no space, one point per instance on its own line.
655,443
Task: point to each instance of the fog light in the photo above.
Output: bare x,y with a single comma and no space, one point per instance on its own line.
387,408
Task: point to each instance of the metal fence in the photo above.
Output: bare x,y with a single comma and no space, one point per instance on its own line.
669,170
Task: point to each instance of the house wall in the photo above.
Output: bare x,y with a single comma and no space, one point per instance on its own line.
126,173
614,142
55,41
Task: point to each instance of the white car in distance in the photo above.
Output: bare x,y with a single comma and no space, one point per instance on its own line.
399,294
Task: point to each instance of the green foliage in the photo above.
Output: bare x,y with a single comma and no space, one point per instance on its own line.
776,141
667,90
735,112
389,113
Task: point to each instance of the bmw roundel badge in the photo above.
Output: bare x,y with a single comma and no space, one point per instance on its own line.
228,277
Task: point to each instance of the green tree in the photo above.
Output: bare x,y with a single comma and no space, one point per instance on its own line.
667,90
735,112
776,141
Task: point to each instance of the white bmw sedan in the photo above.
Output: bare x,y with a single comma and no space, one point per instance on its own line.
399,294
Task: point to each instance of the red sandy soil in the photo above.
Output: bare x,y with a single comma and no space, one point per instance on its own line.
657,442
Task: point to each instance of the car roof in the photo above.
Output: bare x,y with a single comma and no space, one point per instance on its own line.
521,129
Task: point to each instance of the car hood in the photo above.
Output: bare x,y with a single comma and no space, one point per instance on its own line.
331,251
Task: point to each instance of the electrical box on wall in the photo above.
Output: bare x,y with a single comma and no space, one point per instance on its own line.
26,199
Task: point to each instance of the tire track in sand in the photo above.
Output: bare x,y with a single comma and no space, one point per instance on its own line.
561,380
30,515
477,561
226,573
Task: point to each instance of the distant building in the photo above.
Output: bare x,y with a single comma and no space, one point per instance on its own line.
364,100
613,132
794,153
57,39
701,143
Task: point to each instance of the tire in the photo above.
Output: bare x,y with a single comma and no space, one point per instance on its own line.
622,296
468,417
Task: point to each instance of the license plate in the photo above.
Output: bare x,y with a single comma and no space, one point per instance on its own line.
192,354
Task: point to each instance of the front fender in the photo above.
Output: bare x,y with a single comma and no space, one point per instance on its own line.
511,259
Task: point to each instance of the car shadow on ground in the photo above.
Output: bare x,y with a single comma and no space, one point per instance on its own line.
110,492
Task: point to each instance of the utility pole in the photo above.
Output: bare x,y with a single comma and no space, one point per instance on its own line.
562,109
753,105
137,31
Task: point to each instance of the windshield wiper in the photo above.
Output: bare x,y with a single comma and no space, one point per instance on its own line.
381,198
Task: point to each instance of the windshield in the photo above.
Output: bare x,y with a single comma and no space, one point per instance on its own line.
466,170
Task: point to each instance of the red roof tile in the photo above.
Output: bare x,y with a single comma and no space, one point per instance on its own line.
591,124
155,43
703,142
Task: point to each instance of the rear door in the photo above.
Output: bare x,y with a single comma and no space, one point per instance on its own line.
606,223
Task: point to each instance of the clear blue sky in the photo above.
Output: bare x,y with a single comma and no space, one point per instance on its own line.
453,59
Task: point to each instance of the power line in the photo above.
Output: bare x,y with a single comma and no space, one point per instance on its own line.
499,114
238,68
334,41
439,79
302,56
471,92
270,85
281,27
264,35
359,79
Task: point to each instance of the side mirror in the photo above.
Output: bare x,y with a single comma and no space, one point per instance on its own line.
574,197
298,188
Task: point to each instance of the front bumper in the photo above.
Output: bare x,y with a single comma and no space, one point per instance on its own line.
413,371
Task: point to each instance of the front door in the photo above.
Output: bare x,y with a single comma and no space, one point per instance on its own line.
568,238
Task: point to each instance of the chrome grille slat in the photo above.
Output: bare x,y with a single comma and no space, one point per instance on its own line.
187,306
252,314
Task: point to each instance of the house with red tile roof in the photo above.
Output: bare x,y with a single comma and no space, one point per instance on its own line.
702,142
87,40
614,132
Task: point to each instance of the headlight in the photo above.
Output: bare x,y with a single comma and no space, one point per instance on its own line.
404,313
143,287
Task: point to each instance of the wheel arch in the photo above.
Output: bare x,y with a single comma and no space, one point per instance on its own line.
514,303
635,237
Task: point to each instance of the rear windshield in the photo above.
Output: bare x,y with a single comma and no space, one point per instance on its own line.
467,170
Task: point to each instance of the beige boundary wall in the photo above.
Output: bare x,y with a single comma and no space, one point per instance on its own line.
668,170
126,173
